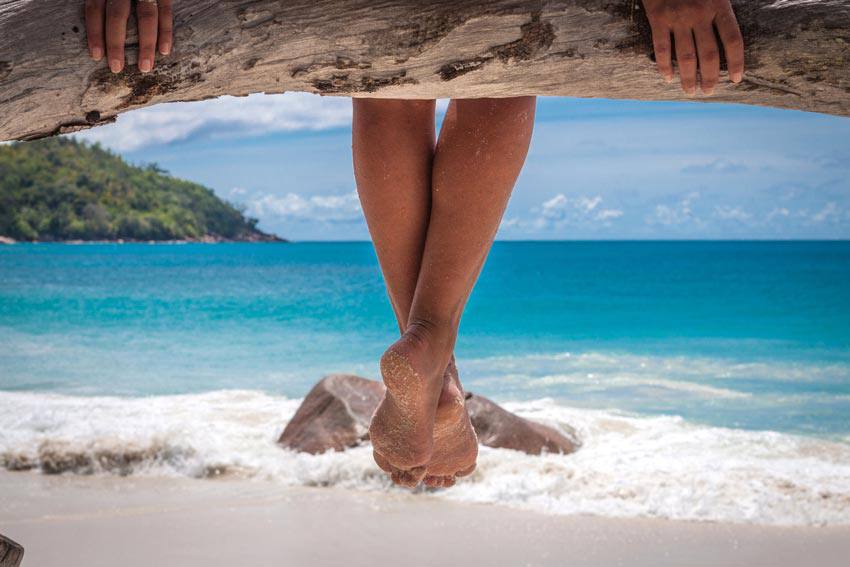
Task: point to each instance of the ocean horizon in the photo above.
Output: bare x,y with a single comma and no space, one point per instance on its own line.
704,379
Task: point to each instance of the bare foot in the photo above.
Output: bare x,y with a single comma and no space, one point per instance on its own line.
402,429
455,442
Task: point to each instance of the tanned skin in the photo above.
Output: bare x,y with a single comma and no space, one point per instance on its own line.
692,24
433,207
106,30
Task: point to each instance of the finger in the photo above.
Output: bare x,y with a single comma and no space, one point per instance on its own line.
686,56
166,23
94,27
709,58
733,43
117,12
661,45
147,15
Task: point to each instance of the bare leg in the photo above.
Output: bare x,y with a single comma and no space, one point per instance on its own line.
393,143
481,150
393,147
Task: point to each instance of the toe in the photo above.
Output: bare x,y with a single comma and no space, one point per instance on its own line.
467,471
430,481
414,476
382,462
408,479
448,481
404,479
417,474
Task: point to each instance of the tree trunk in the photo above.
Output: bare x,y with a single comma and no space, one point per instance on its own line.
797,55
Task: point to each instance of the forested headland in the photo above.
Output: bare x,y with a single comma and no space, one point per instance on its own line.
60,189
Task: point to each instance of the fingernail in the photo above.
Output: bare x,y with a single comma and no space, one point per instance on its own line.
737,77
668,78
165,49
708,91
96,53
145,65
690,91
115,65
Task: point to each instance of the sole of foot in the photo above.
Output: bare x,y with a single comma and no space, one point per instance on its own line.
402,429
455,443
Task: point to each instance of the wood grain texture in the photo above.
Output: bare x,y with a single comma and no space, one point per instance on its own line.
797,55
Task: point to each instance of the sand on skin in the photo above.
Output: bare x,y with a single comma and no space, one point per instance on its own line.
140,521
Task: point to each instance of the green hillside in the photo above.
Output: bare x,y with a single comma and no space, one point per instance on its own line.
60,189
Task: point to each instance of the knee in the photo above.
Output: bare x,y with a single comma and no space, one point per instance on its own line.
498,105
386,108
497,113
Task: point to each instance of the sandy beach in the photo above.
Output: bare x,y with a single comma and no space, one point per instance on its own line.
140,521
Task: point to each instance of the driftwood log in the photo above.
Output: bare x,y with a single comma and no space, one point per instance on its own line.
797,55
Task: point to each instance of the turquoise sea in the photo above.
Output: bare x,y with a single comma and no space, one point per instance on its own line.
653,352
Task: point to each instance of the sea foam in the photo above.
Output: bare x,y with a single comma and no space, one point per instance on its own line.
628,466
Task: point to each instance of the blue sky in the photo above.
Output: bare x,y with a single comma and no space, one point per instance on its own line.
597,169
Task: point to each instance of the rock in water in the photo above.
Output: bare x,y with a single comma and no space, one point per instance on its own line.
334,415
497,427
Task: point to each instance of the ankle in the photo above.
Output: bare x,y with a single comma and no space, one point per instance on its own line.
431,333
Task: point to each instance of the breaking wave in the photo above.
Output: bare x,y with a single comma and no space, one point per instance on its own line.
628,466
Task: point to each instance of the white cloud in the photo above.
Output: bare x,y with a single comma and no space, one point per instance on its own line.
555,207
587,204
227,116
561,211
609,214
319,208
719,165
509,223
830,212
678,213
731,213
780,212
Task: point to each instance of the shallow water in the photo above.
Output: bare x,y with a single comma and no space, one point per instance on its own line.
706,379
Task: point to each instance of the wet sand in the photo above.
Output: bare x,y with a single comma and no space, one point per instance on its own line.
136,521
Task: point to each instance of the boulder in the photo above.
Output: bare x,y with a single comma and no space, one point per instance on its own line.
497,427
336,413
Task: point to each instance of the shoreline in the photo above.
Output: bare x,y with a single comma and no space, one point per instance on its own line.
628,466
5,241
135,521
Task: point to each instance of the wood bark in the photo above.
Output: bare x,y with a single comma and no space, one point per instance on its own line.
796,55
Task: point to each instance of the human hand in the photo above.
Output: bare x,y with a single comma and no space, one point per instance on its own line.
106,23
692,23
